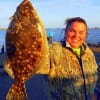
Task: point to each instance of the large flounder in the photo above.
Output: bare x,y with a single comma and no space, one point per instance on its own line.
26,49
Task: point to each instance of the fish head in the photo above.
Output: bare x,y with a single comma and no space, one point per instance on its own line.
26,42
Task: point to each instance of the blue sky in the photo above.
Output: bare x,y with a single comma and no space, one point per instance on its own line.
54,12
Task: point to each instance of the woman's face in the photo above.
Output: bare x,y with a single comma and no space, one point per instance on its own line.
76,34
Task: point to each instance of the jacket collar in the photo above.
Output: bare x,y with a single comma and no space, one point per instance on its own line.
66,45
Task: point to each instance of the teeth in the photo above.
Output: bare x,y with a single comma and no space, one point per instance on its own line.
75,40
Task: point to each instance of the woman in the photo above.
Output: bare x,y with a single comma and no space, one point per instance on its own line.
73,72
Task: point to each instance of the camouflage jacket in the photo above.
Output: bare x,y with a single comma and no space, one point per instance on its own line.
70,74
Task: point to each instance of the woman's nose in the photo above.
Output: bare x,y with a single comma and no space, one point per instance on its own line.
76,34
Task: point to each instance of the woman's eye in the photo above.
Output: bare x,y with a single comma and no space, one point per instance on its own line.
82,32
70,30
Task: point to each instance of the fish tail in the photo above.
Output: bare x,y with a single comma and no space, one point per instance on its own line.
17,91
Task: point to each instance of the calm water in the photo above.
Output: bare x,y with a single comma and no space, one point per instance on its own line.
93,35
58,34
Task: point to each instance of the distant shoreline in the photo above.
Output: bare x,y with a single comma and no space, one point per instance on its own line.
3,29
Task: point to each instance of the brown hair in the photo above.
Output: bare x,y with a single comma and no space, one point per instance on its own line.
68,22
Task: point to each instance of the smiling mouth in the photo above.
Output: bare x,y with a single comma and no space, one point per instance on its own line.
75,40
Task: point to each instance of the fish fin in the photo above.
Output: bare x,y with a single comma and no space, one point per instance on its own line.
17,91
8,68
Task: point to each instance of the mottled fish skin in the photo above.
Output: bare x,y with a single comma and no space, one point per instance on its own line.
26,48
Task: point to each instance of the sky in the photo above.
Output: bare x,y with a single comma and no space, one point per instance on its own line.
54,12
